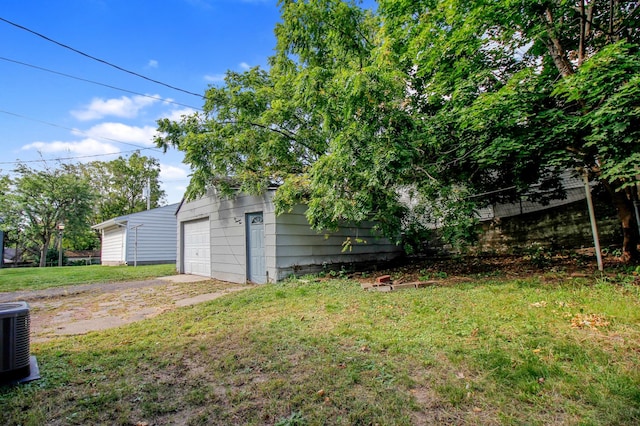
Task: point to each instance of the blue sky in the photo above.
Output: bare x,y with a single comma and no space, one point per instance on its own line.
188,44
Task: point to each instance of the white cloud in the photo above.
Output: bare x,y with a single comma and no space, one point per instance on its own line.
174,181
173,173
175,193
85,147
122,132
176,115
152,63
245,66
125,107
214,78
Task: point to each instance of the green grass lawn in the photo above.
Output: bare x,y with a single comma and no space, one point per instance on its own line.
543,350
14,279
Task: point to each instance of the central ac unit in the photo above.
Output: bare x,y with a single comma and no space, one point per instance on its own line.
14,341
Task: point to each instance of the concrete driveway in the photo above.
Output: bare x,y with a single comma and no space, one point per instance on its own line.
90,307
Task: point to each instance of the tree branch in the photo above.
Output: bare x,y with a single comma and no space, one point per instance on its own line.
555,48
280,132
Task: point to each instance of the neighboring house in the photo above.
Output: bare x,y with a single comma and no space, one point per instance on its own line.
143,238
573,186
526,225
241,239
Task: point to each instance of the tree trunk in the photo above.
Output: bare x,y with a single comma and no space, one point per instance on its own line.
43,256
626,214
44,247
555,47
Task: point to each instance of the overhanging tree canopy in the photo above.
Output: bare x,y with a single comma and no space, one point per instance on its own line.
325,123
513,93
447,98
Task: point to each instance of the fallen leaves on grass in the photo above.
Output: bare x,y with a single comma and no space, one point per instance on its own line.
590,321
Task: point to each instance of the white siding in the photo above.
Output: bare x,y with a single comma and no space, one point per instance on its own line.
146,237
227,219
291,246
157,236
113,246
300,249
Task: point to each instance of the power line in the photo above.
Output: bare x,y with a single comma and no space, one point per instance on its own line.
98,59
140,147
42,160
96,82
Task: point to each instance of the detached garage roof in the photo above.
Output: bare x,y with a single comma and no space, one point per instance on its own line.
116,221
122,220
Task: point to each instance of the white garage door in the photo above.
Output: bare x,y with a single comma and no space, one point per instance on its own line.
113,246
197,251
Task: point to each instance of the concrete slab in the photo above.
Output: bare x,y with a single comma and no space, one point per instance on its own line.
207,297
184,278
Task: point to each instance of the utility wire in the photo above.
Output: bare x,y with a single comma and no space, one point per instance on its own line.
140,147
97,82
98,59
42,160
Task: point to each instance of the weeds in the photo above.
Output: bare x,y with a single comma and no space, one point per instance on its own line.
539,255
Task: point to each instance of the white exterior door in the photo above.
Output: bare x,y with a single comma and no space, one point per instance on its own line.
256,269
196,255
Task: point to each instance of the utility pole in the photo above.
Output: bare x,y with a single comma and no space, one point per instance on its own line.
148,193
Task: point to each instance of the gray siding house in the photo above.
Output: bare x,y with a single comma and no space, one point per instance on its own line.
241,239
143,238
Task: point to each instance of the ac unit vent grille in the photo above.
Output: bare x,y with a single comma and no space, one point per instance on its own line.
22,340
14,340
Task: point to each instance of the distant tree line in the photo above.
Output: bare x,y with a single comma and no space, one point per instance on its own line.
35,203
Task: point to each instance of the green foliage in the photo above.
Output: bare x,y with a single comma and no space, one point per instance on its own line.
53,256
325,123
607,91
40,200
36,201
119,185
538,255
461,103
511,94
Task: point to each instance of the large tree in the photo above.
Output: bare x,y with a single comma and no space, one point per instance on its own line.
457,102
120,185
43,199
510,94
325,123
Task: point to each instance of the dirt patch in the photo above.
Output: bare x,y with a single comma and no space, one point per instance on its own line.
81,309
451,270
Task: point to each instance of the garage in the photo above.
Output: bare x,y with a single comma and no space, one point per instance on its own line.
144,238
248,242
196,247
